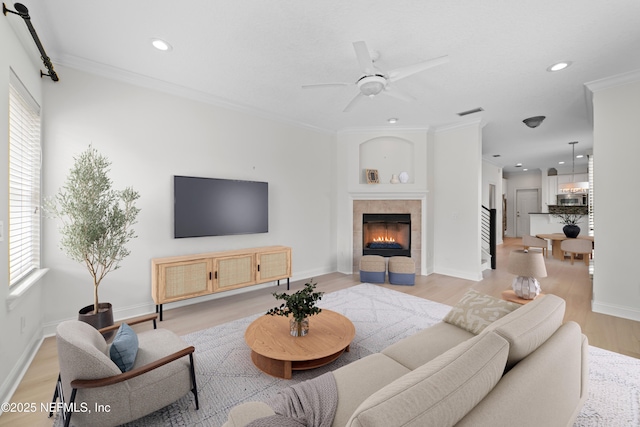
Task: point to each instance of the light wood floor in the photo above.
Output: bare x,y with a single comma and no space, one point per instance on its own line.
570,282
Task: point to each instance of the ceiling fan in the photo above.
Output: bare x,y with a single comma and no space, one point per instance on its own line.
375,81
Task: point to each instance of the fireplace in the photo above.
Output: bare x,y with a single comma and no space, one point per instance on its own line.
386,234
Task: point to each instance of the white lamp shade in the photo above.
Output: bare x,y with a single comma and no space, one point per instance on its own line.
527,264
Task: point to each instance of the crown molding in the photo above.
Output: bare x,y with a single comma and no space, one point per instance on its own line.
118,74
613,81
391,129
460,125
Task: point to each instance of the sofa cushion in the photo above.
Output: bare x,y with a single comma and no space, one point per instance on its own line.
360,379
529,326
440,392
427,344
475,311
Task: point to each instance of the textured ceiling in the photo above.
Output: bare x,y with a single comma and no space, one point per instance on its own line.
257,55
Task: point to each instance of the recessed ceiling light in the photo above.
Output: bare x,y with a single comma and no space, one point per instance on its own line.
558,66
524,170
579,156
392,120
518,165
561,163
161,45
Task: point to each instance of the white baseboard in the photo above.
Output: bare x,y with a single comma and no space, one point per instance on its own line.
10,384
119,313
459,274
631,313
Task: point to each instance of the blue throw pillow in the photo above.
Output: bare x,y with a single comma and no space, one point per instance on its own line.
124,348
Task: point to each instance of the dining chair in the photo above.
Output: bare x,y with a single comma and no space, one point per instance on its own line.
577,246
535,242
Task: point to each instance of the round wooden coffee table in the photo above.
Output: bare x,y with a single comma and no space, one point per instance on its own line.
275,352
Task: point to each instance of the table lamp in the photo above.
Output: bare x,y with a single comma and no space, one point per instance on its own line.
527,266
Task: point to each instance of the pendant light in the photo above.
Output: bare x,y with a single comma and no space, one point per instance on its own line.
573,186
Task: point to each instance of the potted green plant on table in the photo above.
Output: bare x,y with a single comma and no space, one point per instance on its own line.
570,221
96,224
300,305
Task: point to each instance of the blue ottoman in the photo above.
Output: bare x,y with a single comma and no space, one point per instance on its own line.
402,271
372,269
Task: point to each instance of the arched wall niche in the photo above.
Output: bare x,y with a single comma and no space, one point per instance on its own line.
389,155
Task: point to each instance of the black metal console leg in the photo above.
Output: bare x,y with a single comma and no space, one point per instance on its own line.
161,312
287,283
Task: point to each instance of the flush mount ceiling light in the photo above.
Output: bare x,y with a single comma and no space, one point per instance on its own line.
534,122
558,66
161,45
392,120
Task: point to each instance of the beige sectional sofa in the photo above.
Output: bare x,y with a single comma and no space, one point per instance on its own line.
526,368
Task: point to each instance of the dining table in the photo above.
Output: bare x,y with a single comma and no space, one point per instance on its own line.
556,241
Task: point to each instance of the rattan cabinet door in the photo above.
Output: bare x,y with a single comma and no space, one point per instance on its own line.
234,272
186,279
274,265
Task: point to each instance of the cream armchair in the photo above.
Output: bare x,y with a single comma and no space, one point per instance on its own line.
93,389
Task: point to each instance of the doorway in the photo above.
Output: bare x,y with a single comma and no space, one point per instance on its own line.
527,201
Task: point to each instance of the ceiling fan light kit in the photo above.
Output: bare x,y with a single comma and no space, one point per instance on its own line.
374,81
372,85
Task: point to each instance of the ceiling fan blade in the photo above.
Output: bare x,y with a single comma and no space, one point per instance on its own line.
364,58
322,85
356,100
396,93
401,73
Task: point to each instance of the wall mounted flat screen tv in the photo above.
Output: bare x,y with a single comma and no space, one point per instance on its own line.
219,207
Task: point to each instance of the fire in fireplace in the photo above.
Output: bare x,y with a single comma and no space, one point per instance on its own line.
386,234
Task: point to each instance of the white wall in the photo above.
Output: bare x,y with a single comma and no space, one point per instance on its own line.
457,198
616,108
492,175
149,136
21,324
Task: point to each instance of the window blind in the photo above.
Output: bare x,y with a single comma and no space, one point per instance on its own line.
24,182
591,198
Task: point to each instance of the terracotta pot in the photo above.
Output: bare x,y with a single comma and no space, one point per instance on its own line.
103,319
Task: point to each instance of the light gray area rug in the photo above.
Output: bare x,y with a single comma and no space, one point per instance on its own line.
226,376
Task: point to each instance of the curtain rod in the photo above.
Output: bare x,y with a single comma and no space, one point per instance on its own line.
23,12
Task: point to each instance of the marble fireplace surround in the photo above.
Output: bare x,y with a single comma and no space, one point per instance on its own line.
413,207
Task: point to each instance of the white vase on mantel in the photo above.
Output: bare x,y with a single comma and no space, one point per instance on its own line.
404,177
395,179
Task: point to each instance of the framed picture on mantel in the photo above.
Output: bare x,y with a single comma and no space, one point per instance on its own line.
372,176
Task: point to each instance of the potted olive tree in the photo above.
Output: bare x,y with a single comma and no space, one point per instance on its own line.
96,224
300,305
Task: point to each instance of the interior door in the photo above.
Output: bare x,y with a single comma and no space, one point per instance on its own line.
527,201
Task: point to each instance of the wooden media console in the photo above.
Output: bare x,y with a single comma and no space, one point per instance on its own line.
188,276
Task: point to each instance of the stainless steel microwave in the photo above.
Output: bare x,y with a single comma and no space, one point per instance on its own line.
573,199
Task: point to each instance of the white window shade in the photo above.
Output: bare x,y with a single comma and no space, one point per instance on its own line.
24,182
